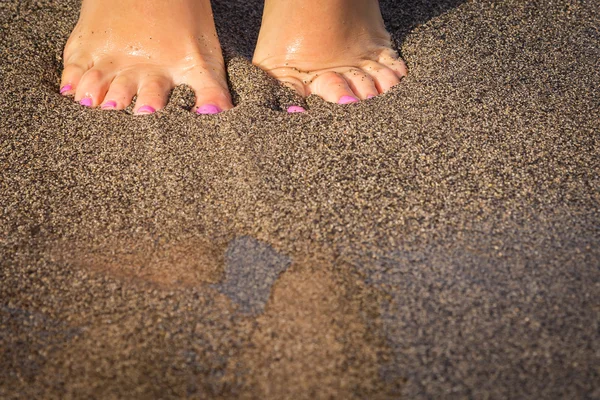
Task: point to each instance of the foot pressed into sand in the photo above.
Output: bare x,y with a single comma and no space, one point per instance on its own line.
144,47
336,49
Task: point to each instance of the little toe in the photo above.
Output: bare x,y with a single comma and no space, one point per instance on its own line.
361,83
394,63
120,93
72,73
152,94
334,88
383,77
92,87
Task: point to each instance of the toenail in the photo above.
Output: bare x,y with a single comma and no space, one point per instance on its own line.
86,101
146,110
109,105
347,100
295,109
208,109
65,88
370,96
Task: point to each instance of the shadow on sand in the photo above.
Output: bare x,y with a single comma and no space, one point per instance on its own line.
239,39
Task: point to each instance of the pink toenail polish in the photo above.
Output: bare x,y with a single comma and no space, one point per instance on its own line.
108,105
146,110
347,100
208,109
295,109
66,88
86,101
370,96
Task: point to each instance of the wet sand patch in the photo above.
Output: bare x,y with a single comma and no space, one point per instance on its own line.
318,338
187,263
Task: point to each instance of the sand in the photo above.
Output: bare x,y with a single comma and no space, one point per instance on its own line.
440,241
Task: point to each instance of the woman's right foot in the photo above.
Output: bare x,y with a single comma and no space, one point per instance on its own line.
120,49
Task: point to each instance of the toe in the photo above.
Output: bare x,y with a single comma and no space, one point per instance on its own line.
360,83
121,92
74,69
212,95
333,87
297,84
212,100
152,94
395,64
92,87
383,77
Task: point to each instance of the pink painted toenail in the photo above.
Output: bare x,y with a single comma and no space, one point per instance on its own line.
208,109
66,88
295,109
146,110
86,101
347,100
370,96
109,105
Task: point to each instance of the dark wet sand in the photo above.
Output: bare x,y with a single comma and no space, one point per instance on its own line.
441,241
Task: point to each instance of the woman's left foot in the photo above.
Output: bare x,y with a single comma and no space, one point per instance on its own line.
336,49
144,48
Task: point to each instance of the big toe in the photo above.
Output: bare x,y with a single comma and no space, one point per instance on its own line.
212,95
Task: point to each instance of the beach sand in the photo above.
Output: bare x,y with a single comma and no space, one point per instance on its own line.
439,241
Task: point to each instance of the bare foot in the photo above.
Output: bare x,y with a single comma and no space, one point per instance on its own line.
336,49
146,47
